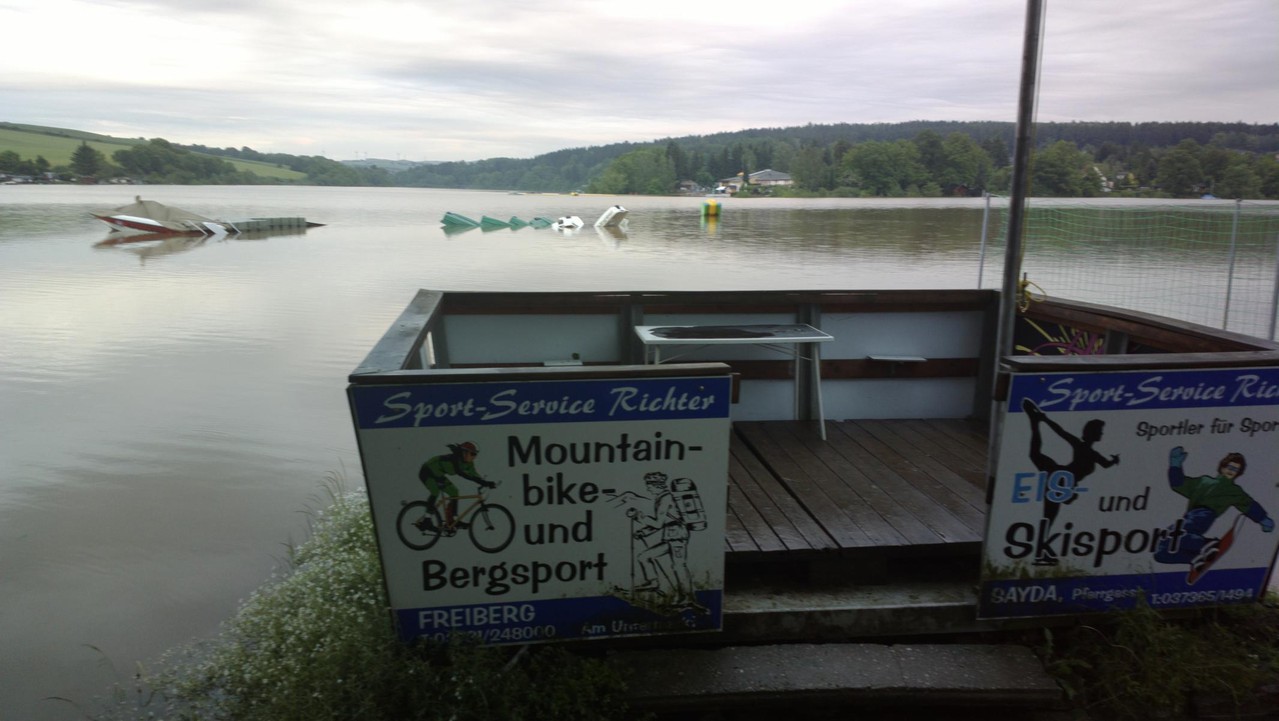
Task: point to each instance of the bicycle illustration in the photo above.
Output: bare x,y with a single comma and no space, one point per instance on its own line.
420,524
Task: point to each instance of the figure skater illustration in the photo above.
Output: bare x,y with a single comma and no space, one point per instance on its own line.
1084,460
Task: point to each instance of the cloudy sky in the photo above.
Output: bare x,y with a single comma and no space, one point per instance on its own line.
473,79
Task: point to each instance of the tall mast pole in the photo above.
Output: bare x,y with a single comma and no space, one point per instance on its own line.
1016,219
1020,178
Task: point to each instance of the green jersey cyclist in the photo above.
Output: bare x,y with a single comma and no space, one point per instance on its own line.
434,474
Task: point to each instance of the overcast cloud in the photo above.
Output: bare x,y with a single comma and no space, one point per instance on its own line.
472,79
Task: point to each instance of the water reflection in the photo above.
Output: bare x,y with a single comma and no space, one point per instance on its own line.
611,235
152,245
149,246
451,230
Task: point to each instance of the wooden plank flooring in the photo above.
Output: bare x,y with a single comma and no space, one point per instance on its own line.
872,486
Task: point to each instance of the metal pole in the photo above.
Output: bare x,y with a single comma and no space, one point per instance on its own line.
1020,177
985,223
1016,212
1230,272
1274,298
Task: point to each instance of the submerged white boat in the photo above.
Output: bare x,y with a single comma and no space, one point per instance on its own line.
614,217
567,222
150,216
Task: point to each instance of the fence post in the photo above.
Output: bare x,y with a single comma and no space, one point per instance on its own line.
1274,297
1230,274
985,223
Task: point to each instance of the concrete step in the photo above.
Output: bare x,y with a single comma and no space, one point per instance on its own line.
803,678
909,649
841,611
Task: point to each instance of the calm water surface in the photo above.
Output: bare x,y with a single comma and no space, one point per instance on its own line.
171,410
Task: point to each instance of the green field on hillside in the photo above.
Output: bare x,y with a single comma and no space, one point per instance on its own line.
57,149
265,170
56,146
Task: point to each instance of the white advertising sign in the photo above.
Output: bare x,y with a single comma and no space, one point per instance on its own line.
534,511
1115,486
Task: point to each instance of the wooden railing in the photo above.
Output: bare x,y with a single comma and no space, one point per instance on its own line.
948,335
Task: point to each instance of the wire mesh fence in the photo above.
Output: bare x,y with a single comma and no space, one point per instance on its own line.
1215,263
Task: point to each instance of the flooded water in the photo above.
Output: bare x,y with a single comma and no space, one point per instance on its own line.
171,410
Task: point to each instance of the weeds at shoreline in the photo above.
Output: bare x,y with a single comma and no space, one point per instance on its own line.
1137,664
317,643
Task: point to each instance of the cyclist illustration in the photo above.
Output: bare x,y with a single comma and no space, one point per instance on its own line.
419,523
1207,497
1084,460
434,474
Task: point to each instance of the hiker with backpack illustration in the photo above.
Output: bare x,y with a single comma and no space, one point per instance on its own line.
677,510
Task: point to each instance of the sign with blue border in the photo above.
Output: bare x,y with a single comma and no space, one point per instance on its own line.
547,510
1112,487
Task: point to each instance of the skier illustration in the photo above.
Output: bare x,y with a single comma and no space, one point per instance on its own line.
1207,497
1083,461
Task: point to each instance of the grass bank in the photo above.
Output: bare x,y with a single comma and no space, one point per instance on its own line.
316,643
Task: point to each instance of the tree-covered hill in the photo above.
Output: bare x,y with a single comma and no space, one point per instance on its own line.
32,149
39,152
919,158
896,159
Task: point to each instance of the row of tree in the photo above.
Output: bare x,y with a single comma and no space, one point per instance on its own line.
929,165
1231,160
916,158
317,169
13,164
157,161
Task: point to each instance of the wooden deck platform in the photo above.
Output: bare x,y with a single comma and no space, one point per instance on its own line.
875,491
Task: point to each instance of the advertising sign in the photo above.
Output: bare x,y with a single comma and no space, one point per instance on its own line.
1115,486
534,511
